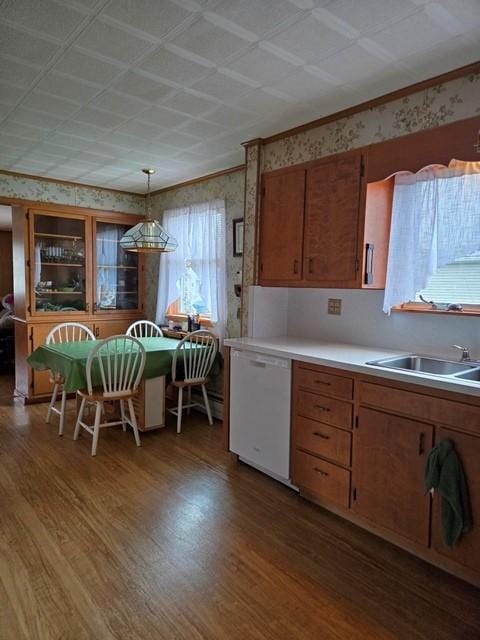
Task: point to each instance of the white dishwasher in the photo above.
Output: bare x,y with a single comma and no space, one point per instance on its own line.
260,389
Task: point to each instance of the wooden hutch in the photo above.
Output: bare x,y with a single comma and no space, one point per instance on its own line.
68,266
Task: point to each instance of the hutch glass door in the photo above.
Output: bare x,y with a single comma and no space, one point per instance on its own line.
59,256
117,282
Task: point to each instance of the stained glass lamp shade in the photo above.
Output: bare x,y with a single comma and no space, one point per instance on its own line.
148,235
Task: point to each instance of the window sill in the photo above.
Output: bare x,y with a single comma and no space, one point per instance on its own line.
181,318
418,308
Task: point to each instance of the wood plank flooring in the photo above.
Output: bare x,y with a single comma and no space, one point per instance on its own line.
175,540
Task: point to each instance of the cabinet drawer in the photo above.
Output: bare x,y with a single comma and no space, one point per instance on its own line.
328,410
322,478
422,406
325,441
326,383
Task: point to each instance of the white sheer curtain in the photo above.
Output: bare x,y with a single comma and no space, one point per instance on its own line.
435,220
194,276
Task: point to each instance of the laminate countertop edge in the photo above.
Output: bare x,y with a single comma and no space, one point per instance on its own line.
350,357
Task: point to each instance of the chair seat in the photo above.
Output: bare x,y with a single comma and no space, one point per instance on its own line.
99,396
189,383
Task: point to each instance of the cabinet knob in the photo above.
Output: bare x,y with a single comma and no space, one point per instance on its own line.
295,267
320,407
320,471
87,307
321,435
310,265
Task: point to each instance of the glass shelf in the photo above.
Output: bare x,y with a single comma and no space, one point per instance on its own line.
116,270
59,242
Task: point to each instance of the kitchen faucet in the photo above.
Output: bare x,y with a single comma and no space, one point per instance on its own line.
465,352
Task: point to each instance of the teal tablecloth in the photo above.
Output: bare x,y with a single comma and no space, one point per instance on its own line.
70,358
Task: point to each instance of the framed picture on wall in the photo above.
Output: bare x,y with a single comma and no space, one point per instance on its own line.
238,237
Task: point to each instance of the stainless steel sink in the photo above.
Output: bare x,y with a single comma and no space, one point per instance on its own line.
424,364
473,374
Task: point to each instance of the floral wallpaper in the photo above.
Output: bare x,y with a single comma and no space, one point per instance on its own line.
40,190
443,103
229,187
432,107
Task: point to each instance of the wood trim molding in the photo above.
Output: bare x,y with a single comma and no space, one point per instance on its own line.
29,176
69,208
474,67
208,176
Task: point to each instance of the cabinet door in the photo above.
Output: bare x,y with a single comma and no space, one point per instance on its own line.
467,551
116,271
107,328
281,236
331,221
60,274
389,456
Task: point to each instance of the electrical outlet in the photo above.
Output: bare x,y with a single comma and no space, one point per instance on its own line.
335,306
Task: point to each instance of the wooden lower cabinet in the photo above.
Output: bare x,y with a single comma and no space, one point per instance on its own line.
364,457
467,551
106,328
389,460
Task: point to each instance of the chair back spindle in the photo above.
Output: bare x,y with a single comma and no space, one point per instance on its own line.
196,351
144,329
69,332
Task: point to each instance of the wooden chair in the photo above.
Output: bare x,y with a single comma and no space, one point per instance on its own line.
64,332
195,354
144,329
119,362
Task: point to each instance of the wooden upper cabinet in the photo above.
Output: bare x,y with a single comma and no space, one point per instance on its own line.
389,454
283,200
331,221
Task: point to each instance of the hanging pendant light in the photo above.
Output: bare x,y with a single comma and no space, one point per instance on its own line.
148,235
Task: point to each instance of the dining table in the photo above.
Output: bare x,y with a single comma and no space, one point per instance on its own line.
69,359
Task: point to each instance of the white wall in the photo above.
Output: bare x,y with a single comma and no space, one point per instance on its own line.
363,322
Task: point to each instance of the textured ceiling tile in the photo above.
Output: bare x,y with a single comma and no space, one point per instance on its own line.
35,118
412,35
114,43
136,129
17,73
229,117
310,40
24,131
76,63
135,84
202,128
162,117
45,16
179,140
14,141
127,106
352,64
257,16
262,66
166,64
82,129
64,87
10,95
98,118
52,105
467,11
188,103
261,103
370,15
153,17
302,86
25,46
221,87
209,41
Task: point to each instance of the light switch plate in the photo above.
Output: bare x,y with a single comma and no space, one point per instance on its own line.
335,306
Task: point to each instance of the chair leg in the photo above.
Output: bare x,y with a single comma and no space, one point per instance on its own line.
52,402
189,400
123,416
62,412
133,419
96,427
207,404
79,418
179,409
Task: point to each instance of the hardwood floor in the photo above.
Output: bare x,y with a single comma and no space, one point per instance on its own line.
175,540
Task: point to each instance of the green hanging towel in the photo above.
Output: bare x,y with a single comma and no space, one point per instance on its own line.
444,473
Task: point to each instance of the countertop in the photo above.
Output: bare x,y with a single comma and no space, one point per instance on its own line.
351,357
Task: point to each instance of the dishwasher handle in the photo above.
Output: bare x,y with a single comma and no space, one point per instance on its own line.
260,359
